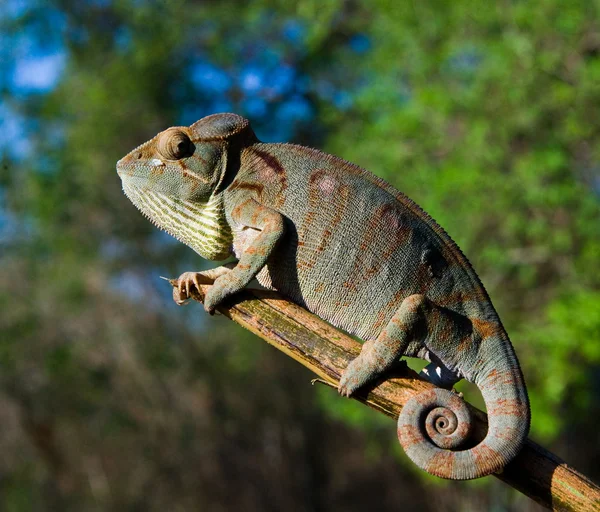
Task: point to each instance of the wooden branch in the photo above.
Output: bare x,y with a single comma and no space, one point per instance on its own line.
326,351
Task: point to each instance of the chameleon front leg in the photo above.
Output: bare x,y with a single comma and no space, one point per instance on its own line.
270,225
416,319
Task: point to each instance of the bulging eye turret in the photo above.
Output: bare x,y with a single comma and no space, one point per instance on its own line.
175,144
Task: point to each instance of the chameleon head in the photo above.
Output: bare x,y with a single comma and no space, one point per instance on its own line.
175,178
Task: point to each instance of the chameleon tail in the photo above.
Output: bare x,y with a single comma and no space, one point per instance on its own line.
435,424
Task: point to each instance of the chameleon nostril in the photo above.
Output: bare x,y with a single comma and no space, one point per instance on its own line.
139,155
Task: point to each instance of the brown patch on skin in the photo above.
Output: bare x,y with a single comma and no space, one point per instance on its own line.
329,223
441,463
397,322
496,379
443,332
192,179
194,187
252,187
464,429
308,220
324,241
423,398
386,215
270,160
316,175
476,294
410,436
319,287
507,433
159,170
370,232
484,456
237,212
189,174
465,343
342,304
394,303
260,251
197,156
492,374
257,215
275,166
402,231
485,328
505,407
414,302
192,176
350,285
423,278
380,320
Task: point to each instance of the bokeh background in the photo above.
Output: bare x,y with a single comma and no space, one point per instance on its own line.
113,398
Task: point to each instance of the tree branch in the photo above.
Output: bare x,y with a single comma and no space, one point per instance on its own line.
326,351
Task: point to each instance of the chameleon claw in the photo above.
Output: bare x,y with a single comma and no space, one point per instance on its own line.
322,381
197,282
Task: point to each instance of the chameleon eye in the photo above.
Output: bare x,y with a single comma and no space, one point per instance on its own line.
174,144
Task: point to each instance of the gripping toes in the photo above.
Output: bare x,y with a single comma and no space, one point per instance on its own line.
185,284
355,376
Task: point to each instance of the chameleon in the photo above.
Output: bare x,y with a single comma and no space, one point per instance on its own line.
347,246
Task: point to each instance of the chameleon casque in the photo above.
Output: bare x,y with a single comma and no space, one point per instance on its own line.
347,246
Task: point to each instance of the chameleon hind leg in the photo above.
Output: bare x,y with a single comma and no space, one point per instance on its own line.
416,320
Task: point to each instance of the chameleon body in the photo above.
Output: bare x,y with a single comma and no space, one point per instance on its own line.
347,246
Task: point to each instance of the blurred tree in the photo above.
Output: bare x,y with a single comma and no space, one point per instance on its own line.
114,398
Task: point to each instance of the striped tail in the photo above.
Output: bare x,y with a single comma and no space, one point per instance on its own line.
435,424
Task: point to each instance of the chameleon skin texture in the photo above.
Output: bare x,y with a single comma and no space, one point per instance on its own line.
350,248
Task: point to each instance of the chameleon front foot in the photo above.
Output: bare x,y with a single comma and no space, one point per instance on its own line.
186,282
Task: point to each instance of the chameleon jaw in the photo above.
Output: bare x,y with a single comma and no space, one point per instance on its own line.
201,226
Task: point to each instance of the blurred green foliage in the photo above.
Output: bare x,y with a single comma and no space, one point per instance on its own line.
113,398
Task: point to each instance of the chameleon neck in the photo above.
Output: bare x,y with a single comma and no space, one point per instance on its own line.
201,226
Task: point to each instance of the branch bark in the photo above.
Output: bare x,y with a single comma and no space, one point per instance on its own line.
535,472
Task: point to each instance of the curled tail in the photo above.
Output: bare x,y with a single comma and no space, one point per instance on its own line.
434,425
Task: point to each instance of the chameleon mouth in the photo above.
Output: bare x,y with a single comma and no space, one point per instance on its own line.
126,166
123,173
121,166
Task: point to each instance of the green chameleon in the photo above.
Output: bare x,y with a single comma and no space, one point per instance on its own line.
347,246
